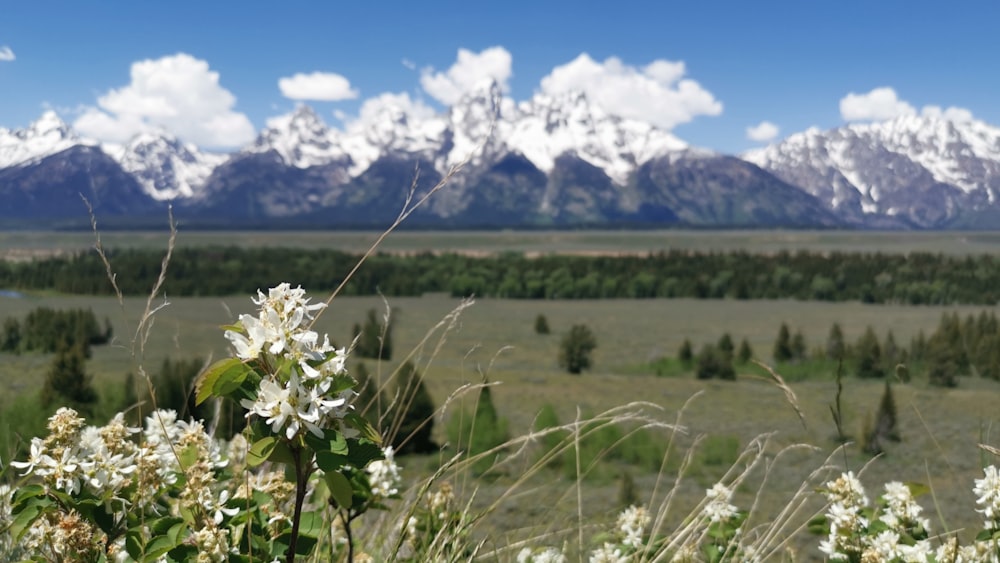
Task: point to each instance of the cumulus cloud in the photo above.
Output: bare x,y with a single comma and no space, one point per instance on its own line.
878,105
319,86
762,132
398,107
469,70
960,115
177,93
6,54
657,93
883,103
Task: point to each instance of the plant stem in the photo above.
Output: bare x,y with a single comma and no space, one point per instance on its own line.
345,518
300,496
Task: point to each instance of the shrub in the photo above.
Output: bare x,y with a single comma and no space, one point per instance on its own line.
541,325
575,349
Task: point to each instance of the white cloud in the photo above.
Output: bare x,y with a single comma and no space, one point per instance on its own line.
469,70
6,54
762,132
878,105
410,65
657,93
177,93
319,86
960,115
386,107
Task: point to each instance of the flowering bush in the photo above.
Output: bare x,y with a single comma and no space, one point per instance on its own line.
173,493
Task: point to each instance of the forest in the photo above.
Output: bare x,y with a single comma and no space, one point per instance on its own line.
914,279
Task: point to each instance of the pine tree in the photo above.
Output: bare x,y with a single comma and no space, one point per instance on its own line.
374,338
575,349
726,346
685,354
799,347
546,421
541,324
868,355
413,415
835,347
884,426
713,363
10,341
783,345
66,381
744,353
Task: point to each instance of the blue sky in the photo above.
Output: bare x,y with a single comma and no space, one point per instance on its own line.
792,64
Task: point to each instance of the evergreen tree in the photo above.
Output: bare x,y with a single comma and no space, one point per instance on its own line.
744,353
783,345
835,347
374,338
726,346
10,340
546,421
944,353
713,363
413,414
685,354
541,324
868,355
67,383
798,346
371,401
884,426
481,432
575,349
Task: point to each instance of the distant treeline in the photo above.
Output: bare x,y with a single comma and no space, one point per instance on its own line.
47,330
917,278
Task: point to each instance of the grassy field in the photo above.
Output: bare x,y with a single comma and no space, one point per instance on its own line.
25,244
494,339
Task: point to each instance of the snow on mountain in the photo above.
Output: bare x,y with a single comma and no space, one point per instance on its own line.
547,127
540,129
46,136
894,167
165,167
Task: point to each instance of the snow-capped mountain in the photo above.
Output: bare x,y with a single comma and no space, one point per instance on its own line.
165,167
46,136
922,171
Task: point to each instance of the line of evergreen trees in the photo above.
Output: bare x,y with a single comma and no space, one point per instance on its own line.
957,347
47,330
917,278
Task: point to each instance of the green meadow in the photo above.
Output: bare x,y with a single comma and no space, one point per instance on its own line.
494,341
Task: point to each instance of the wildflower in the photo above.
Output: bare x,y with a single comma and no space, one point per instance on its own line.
988,489
608,553
848,490
631,523
540,555
384,475
718,508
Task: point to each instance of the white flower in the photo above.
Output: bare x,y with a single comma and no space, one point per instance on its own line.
542,555
631,523
608,553
383,474
988,489
718,508
36,456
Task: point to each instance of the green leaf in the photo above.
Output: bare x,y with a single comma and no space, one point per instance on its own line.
311,524
159,546
330,462
363,452
340,488
261,450
220,374
25,518
361,424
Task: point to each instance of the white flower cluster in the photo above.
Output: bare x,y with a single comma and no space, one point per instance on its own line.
718,508
383,474
847,499
102,459
300,401
988,491
540,555
630,533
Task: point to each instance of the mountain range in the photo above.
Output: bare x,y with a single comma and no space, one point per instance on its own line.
545,162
